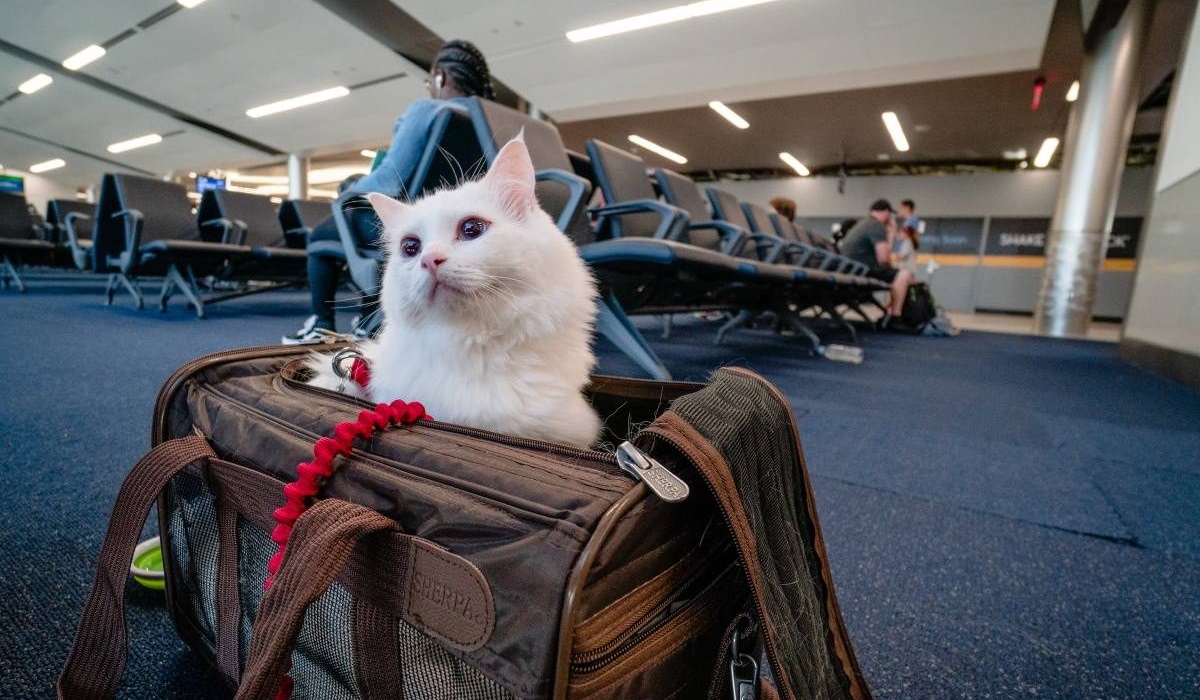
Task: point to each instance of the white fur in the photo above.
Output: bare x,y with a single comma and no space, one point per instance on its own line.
504,343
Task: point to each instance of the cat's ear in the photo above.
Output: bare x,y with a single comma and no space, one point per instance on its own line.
389,210
511,178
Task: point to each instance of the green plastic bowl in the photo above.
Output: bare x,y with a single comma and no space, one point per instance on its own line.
147,566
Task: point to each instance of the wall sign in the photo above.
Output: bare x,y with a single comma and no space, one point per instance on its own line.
12,184
1027,237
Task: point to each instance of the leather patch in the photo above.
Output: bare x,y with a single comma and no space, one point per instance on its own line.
448,598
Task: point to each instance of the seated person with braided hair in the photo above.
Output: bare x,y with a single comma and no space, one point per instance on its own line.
459,71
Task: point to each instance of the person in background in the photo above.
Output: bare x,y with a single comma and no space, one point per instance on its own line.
870,242
459,71
785,207
905,245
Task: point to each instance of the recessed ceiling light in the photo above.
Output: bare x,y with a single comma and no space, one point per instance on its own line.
892,122
1046,152
35,83
139,142
654,19
367,153
883,156
795,164
325,176
53,164
921,128
651,146
189,3
192,175
84,57
295,102
1073,92
1023,164
731,116
1019,154
276,200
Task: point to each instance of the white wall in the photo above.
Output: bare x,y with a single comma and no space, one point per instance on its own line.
1026,193
1165,308
39,190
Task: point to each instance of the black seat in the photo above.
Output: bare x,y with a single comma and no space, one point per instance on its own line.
250,220
145,227
297,217
69,220
20,239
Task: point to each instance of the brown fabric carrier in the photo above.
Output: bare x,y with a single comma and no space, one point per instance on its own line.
444,561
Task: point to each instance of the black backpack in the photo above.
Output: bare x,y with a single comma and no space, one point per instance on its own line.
919,306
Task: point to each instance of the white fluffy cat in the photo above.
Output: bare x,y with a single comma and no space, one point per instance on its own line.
488,311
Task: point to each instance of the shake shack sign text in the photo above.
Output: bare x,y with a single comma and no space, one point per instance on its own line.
1013,236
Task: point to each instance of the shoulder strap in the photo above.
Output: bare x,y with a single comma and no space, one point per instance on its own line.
97,658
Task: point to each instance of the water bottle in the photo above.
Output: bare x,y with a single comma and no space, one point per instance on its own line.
841,353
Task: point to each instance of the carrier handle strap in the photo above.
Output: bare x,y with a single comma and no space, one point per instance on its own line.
321,542
97,659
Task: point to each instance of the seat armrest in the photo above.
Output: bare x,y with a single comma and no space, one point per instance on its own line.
672,222
297,237
133,220
69,226
770,248
731,236
577,187
232,231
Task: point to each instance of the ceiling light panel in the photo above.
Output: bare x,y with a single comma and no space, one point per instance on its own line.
297,102
892,122
45,166
139,142
660,17
1073,92
1046,152
35,83
731,116
794,164
654,147
189,3
84,57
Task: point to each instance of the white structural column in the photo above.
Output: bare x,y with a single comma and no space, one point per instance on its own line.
297,176
1093,159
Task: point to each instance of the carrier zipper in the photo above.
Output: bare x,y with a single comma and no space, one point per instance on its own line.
658,616
743,556
627,460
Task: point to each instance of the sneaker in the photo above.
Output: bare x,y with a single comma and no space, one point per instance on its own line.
308,333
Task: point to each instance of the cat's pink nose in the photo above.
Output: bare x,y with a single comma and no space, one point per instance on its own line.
430,261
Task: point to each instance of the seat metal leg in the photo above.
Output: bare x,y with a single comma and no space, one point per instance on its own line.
666,329
739,320
796,324
130,286
9,273
841,321
614,324
186,285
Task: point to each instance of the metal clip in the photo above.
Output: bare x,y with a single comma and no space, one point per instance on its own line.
342,362
643,467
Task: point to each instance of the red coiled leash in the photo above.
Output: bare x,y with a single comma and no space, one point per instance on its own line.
312,475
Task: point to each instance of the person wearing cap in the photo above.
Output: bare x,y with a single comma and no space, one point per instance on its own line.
870,242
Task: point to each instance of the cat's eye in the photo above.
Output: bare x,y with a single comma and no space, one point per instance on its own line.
471,228
410,246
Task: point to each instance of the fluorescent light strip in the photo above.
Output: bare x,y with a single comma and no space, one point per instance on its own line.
660,17
1046,152
328,176
796,165
731,116
295,102
42,167
368,153
35,83
189,3
892,122
84,57
1073,92
139,142
651,146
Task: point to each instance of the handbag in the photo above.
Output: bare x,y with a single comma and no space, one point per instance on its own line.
682,558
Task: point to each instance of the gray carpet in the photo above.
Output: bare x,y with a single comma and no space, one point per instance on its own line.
1006,517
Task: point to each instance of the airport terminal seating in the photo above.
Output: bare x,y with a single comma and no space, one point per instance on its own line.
145,227
250,220
67,220
297,217
21,239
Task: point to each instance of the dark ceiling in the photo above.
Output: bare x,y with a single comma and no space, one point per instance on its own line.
950,124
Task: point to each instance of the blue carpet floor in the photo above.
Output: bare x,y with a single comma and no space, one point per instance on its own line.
1006,517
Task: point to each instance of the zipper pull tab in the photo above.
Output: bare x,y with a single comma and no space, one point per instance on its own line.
743,671
643,467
